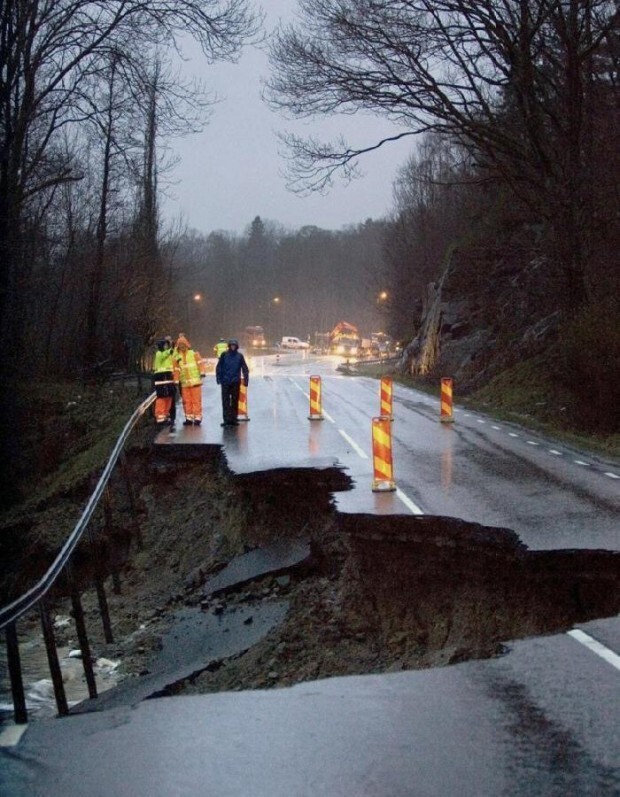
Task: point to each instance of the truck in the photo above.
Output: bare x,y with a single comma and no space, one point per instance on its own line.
345,339
254,338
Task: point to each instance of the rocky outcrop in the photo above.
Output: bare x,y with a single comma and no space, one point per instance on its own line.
473,336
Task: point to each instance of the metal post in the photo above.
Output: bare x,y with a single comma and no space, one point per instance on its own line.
103,609
52,660
132,499
108,522
15,671
80,627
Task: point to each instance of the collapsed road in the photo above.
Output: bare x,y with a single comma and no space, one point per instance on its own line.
301,573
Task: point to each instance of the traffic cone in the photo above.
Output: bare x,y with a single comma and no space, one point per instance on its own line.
242,407
316,409
383,470
446,400
386,397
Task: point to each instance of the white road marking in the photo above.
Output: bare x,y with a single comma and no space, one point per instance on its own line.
555,453
328,416
10,736
581,462
358,450
497,428
413,508
612,475
532,443
596,647
481,421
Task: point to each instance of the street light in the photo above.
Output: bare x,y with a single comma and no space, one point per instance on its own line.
196,298
277,302
383,295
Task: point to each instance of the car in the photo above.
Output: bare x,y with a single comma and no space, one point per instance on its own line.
289,342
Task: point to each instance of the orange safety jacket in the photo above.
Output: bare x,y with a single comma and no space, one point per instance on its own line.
189,367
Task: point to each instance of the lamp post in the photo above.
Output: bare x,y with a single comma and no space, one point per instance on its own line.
277,302
192,301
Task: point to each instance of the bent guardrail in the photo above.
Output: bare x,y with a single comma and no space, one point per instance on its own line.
10,614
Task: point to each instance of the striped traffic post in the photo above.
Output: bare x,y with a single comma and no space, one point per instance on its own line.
242,406
316,409
386,397
446,400
383,471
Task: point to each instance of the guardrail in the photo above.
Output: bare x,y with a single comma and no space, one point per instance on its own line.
10,614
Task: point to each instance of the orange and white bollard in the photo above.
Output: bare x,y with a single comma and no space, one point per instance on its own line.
383,470
242,407
446,400
316,409
387,384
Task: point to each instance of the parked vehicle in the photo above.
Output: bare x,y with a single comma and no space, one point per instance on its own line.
289,342
381,344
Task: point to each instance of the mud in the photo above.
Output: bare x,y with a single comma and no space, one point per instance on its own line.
380,593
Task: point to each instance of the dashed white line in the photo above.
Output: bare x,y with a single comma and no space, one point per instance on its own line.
596,647
513,434
481,421
532,443
555,453
328,416
413,508
612,475
358,450
497,428
581,462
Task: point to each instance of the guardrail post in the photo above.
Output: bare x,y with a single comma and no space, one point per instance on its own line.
15,672
103,610
52,660
132,499
109,523
80,627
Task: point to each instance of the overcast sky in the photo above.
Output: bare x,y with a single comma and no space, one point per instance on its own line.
232,171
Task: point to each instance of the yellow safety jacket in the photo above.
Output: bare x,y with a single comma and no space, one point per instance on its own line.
163,367
188,368
220,348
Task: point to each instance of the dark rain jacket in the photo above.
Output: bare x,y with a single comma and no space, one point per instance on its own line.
230,367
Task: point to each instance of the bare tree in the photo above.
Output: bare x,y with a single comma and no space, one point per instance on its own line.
511,80
49,51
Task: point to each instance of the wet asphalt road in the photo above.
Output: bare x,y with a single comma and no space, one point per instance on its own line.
477,469
541,720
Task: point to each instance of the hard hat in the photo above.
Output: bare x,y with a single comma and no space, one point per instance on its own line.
233,342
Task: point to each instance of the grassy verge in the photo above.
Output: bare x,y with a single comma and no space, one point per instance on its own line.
62,435
526,394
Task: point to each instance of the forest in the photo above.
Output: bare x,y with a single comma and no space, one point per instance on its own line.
509,199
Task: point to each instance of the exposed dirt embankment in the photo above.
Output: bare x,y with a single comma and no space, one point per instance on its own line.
377,593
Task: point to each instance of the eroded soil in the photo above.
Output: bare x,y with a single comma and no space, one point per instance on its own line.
380,593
